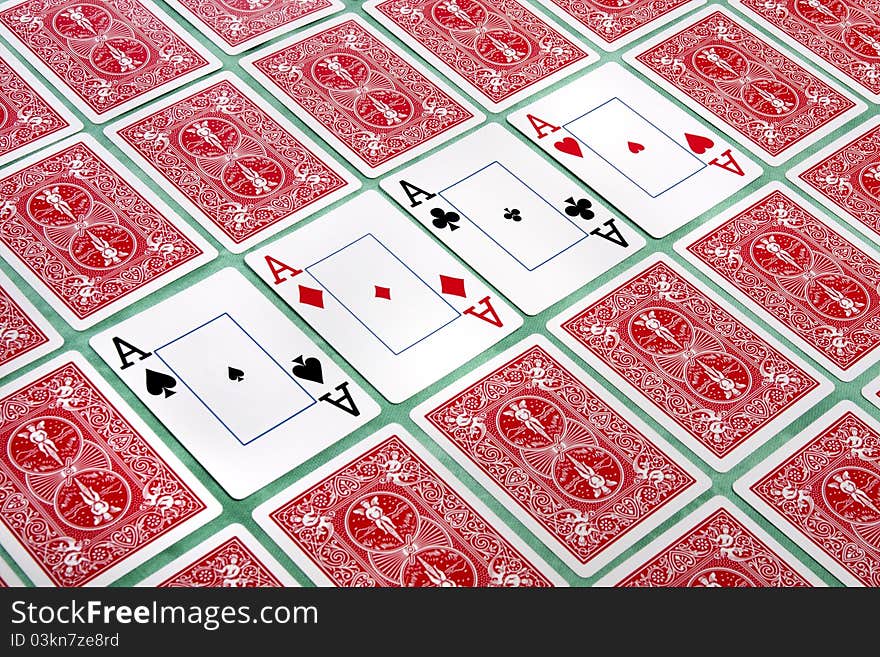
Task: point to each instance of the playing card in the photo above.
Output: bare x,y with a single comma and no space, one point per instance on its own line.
387,513
714,381
109,55
655,163
77,227
767,99
717,546
845,176
236,164
393,303
841,34
89,491
25,335
360,94
239,25
613,24
822,489
562,454
523,225
231,558
30,115
777,254
871,391
245,391
498,51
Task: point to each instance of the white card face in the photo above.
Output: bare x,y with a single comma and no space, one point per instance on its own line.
531,231
394,304
231,558
25,335
655,163
235,381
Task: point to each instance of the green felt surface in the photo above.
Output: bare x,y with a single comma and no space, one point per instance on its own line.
240,510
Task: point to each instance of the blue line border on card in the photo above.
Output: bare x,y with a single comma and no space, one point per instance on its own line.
210,410
361,322
649,122
533,191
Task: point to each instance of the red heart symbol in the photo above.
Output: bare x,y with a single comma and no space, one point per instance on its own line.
698,144
634,147
570,146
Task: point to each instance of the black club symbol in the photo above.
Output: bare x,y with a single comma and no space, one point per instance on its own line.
443,219
580,208
512,214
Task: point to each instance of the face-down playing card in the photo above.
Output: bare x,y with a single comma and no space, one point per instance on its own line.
236,164
760,95
655,163
713,380
394,304
499,51
91,239
586,476
96,492
779,255
369,100
387,513
235,381
108,55
532,232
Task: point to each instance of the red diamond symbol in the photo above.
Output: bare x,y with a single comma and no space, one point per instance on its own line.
311,296
383,292
452,285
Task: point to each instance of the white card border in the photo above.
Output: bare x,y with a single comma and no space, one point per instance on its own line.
624,541
808,163
868,359
217,40
635,35
741,486
465,86
767,432
54,338
212,65
725,128
208,251
198,551
334,142
75,125
305,563
870,391
687,523
352,182
796,46
212,507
